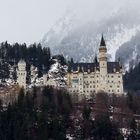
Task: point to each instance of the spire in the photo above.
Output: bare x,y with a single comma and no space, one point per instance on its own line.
80,69
95,59
102,41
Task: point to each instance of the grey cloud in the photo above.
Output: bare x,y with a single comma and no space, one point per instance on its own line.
28,20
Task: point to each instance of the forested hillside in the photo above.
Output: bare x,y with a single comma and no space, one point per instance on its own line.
39,115
132,79
50,114
32,54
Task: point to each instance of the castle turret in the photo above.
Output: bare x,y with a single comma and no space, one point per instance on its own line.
103,57
21,74
103,65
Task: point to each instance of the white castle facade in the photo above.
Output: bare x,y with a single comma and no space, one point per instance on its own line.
102,76
82,78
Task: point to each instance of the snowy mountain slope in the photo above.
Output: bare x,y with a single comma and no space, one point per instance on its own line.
129,52
120,38
59,31
81,41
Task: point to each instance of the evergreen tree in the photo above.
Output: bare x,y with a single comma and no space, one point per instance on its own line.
132,79
102,127
33,54
87,122
133,130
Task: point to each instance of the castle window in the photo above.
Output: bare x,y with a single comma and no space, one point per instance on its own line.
112,90
108,81
90,86
110,86
112,81
97,76
112,76
118,86
90,81
118,91
108,90
119,76
74,76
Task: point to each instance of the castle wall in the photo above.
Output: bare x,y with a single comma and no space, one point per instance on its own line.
107,78
93,83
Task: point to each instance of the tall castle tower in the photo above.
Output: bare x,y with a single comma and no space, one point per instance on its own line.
88,78
21,74
103,57
103,64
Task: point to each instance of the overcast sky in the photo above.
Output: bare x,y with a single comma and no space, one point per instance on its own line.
28,20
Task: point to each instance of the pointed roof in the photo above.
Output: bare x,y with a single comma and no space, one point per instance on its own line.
95,59
80,69
102,43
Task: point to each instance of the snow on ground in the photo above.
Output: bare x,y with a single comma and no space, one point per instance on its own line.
125,132
69,137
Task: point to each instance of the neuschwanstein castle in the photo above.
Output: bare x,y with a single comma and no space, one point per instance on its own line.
88,78
85,78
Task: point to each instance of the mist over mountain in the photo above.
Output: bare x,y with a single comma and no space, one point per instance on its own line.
129,52
81,40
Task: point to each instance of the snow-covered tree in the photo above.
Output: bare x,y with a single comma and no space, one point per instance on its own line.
57,72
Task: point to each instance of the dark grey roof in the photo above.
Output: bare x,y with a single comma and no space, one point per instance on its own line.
83,66
112,65
91,66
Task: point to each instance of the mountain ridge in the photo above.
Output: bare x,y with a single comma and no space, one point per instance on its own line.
82,42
